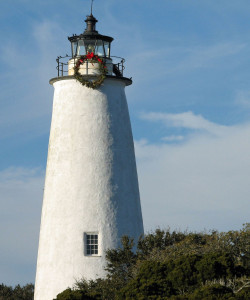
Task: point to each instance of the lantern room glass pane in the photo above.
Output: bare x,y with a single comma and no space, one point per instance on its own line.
107,48
74,48
81,48
89,46
98,47
99,50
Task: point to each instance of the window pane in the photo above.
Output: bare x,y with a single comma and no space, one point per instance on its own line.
74,48
91,244
99,48
107,48
80,48
89,46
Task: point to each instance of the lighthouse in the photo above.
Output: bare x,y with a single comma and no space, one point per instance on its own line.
91,194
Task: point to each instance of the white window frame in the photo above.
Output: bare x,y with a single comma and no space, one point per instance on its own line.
91,242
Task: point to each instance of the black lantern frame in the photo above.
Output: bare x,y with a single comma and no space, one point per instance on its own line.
90,41
81,45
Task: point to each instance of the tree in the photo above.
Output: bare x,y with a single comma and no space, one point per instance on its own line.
70,294
151,282
5,292
120,262
18,293
212,293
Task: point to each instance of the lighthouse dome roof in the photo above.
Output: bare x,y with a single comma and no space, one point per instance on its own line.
90,32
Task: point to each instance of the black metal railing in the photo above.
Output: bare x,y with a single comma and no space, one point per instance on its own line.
62,66
117,65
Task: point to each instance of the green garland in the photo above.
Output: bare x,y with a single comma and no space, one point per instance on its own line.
92,59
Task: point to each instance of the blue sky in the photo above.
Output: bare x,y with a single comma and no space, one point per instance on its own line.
189,106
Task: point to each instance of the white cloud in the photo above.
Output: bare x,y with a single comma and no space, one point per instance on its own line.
173,138
186,120
175,59
202,183
209,55
20,209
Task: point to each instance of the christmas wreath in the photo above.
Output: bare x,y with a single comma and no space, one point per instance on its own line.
91,57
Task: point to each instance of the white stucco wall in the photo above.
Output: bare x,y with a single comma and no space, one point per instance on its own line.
91,183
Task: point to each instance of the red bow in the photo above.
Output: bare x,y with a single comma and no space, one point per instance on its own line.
90,55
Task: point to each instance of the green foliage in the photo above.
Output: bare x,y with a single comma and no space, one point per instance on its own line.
74,294
6,292
176,265
182,275
215,265
151,282
120,262
158,240
215,292
70,294
243,294
212,293
237,242
183,272
17,293
98,289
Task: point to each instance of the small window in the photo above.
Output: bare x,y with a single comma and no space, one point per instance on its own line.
91,243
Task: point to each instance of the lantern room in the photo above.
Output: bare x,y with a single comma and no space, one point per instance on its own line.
90,41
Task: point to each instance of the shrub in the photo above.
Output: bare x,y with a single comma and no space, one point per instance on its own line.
70,294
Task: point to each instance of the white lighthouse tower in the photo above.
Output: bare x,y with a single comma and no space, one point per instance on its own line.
91,196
